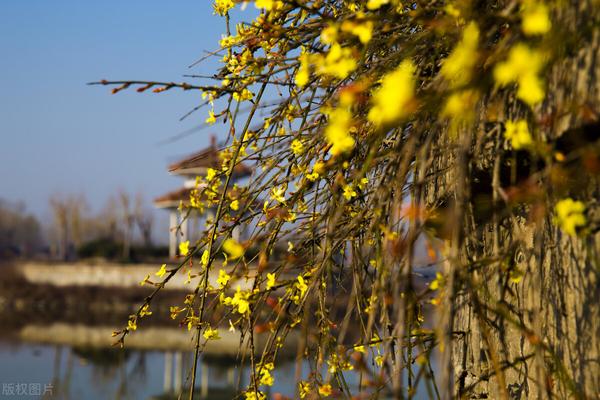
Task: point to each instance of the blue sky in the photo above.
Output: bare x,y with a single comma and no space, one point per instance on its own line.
59,135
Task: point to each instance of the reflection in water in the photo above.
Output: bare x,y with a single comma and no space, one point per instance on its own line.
54,341
109,373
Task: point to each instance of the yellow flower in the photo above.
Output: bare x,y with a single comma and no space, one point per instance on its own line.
535,18
337,132
240,300
531,89
145,280
245,94
233,248
459,105
184,248
174,310
339,62
325,390
375,4
297,147
523,67
360,349
349,192
457,68
301,287
223,278
570,215
391,100
437,282
329,34
303,73
132,323
303,389
162,271
362,30
266,4
270,280
266,378
221,7
205,258
251,395
235,205
278,194
211,118
517,132
211,334
210,174
145,310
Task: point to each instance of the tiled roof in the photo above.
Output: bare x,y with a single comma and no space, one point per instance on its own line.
207,158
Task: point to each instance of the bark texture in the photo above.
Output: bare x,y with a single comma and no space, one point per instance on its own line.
538,338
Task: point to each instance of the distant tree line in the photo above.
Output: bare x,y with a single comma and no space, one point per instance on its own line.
122,229
20,232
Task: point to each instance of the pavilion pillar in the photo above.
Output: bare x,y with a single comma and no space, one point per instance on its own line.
172,233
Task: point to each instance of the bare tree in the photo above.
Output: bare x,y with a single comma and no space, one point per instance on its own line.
144,219
128,220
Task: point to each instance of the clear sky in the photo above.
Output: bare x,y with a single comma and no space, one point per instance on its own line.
59,135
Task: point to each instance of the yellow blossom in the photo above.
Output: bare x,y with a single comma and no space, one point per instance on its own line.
325,390
297,147
437,282
362,30
303,389
349,192
223,278
570,215
145,310
270,280
457,68
210,174
233,248
523,67
221,7
460,104
145,280
535,18
235,205
278,194
245,94
266,4
391,100
301,287
184,248
240,300
251,395
303,73
337,132
174,310
375,4
205,257
329,34
211,118
266,378
162,271
339,62
211,334
517,132
132,323
363,182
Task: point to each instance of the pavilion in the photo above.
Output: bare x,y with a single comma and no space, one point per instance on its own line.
197,164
